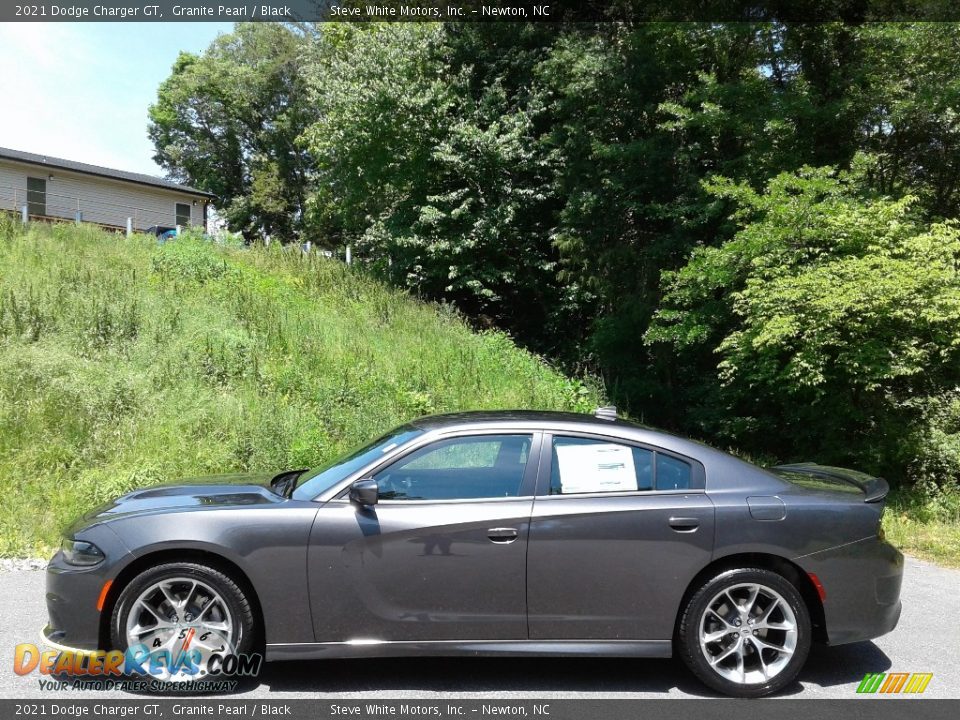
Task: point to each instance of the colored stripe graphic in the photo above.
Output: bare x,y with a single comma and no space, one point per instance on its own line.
918,682
871,682
892,683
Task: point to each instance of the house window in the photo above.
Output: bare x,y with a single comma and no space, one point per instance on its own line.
183,214
36,196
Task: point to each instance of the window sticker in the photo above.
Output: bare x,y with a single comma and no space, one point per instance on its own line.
597,467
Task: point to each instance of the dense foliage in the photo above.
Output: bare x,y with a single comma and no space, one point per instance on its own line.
746,230
834,318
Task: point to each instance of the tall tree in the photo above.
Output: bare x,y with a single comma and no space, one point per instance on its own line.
227,121
429,165
911,112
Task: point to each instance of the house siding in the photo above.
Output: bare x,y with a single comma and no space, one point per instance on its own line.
100,200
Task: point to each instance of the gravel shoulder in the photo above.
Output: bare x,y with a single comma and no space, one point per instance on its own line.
927,640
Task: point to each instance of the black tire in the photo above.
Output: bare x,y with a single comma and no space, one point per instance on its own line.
688,637
241,612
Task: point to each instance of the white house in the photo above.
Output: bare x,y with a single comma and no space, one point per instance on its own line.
56,188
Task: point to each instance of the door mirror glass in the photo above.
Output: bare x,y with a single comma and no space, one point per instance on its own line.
364,492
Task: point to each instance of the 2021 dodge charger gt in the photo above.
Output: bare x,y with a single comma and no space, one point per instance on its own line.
494,533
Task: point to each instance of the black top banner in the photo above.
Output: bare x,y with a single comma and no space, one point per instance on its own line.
631,11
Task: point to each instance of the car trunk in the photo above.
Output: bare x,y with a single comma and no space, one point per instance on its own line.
873,489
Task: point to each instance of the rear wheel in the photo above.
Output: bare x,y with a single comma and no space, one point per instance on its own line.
745,632
182,615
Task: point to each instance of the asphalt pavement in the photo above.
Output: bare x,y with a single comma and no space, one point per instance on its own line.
926,640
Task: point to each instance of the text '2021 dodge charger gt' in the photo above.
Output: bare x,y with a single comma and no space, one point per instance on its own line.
494,533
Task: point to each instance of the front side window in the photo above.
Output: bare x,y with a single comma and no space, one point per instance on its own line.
462,468
585,465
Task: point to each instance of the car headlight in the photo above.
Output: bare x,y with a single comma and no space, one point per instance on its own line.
79,552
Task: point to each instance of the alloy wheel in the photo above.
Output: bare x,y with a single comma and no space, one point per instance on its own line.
181,622
748,633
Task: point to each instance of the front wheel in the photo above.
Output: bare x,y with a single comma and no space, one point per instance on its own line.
745,632
176,617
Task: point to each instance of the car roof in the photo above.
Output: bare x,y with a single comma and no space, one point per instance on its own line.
526,417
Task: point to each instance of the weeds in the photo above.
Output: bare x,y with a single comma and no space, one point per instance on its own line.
124,363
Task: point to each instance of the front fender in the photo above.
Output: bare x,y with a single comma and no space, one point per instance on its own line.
267,543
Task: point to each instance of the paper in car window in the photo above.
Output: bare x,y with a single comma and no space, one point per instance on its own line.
597,467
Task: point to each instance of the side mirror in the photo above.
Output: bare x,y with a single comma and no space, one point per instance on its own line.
364,492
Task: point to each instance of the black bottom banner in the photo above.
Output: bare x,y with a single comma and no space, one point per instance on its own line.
874,708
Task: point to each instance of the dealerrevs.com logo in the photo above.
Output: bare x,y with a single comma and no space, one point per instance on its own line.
892,683
137,669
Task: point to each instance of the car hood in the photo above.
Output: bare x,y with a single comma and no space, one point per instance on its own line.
191,493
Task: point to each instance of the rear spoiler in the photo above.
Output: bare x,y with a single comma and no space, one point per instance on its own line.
874,489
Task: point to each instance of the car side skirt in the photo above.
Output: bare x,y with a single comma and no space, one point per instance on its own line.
469,648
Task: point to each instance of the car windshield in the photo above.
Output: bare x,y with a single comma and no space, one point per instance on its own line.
318,480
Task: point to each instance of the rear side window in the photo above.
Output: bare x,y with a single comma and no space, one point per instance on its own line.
672,474
585,465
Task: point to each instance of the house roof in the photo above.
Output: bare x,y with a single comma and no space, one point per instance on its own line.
79,167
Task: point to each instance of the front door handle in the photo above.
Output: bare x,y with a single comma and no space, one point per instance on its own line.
684,524
502,536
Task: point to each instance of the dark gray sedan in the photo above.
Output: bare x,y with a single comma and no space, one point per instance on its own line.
493,533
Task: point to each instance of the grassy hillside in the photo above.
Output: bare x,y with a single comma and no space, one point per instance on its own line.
124,364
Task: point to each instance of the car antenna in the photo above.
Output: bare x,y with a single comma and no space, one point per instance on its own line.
606,412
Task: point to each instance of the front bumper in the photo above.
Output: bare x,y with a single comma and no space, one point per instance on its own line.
73,592
50,638
862,581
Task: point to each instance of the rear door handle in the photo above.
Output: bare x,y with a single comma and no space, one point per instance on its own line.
684,524
502,536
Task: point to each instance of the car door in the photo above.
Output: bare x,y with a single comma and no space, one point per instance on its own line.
618,530
440,556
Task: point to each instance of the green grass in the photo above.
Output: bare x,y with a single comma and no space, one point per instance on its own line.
926,527
124,364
